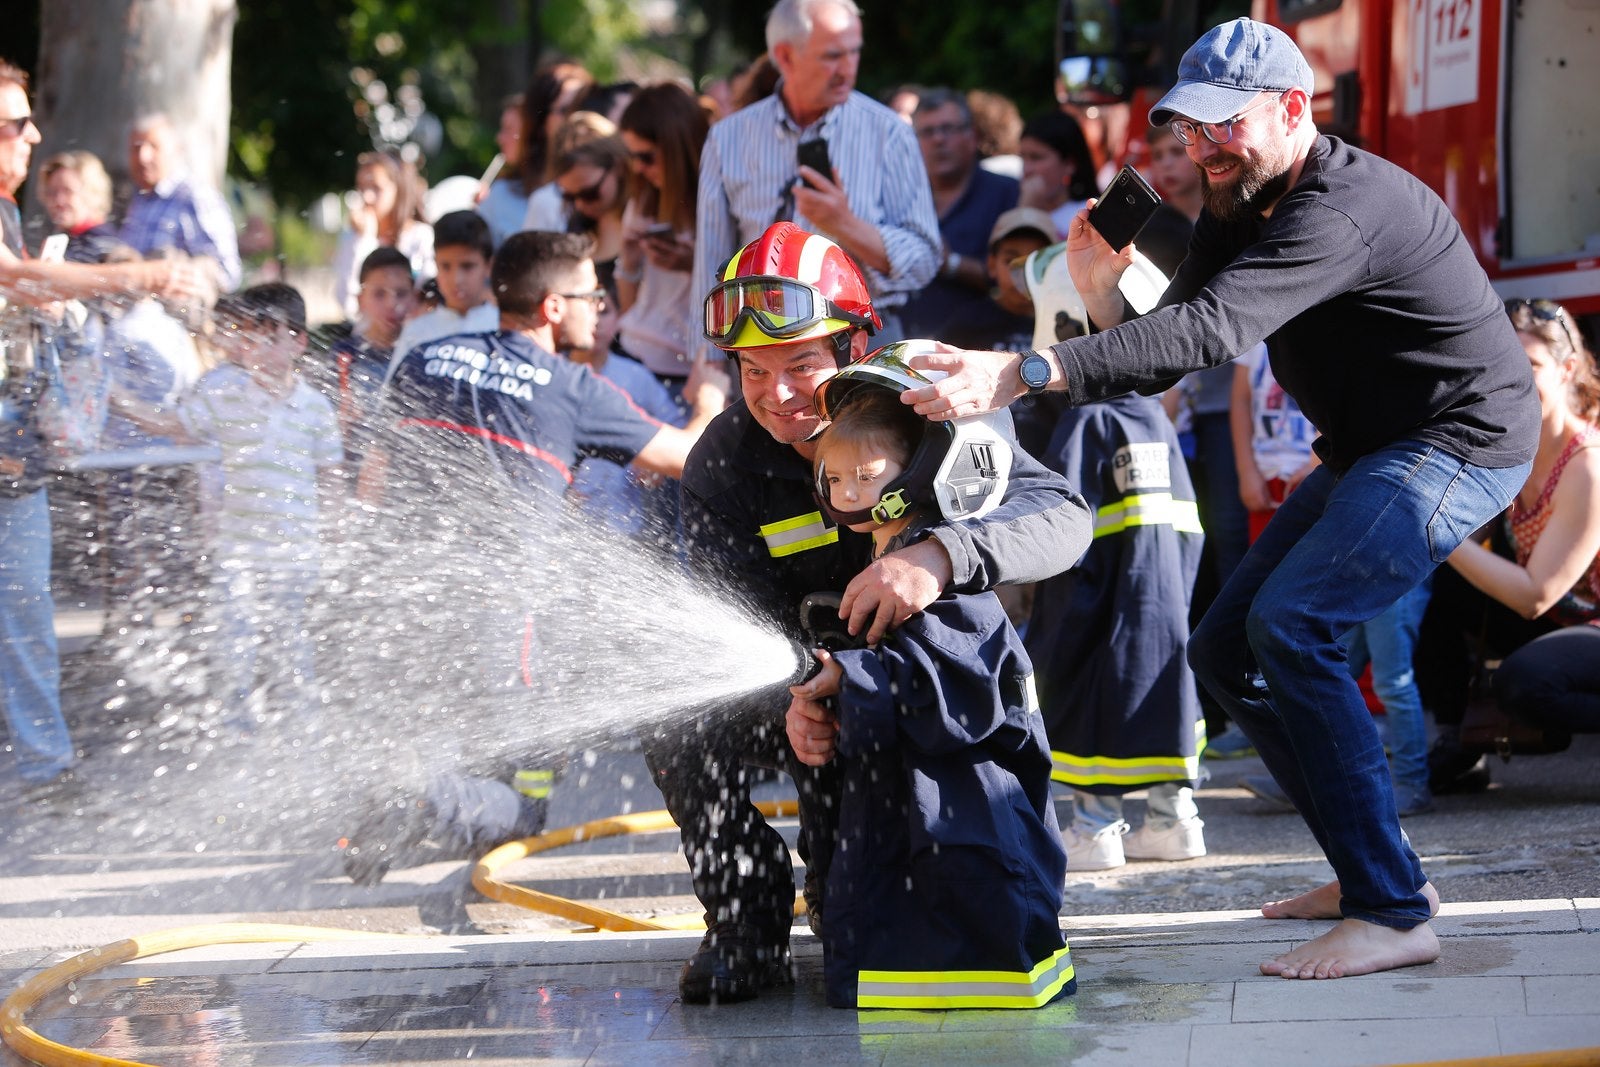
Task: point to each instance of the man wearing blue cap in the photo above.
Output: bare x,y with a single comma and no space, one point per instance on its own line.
1382,325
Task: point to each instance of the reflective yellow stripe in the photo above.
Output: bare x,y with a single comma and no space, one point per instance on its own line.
1147,509
788,536
535,784
966,989
1109,770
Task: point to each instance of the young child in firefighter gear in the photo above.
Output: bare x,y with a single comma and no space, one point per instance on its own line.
947,874
1110,636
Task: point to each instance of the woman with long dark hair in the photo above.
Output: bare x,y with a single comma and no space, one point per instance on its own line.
551,99
663,130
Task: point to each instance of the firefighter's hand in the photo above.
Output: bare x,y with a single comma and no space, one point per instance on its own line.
894,588
813,728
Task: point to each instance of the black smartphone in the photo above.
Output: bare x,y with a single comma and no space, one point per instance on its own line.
814,154
1124,208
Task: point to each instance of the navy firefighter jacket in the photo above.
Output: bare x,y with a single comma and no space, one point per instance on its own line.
1110,635
947,874
498,405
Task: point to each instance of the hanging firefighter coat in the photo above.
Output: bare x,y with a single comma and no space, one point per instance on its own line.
1109,636
947,874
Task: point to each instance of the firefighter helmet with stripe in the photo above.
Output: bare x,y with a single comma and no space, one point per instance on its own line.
961,465
787,286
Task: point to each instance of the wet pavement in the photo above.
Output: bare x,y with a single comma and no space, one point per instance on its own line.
1166,953
1178,989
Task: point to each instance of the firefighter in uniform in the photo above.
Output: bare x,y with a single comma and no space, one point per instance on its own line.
1110,634
791,309
946,884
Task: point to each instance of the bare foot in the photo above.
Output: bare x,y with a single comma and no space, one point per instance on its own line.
1323,903
1356,947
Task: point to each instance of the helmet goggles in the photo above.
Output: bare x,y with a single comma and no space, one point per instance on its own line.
780,308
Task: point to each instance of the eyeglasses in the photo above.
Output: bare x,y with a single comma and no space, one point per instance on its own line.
1540,311
645,158
945,129
16,127
596,295
1216,132
589,195
781,308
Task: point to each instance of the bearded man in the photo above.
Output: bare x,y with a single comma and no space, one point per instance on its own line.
1382,324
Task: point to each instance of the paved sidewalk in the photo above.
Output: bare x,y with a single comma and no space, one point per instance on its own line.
1174,990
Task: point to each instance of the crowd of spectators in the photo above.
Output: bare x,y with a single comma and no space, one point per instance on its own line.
938,193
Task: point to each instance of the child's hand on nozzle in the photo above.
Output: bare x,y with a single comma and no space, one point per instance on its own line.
823,684
812,725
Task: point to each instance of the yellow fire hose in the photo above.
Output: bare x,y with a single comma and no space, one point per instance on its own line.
41,1050
644,822
30,1045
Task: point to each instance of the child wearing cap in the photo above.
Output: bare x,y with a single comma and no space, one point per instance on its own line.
947,874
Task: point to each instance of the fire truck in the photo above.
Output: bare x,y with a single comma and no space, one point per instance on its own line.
1495,104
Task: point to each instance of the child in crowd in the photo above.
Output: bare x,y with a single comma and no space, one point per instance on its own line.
947,875
1271,438
462,250
279,443
1110,636
357,363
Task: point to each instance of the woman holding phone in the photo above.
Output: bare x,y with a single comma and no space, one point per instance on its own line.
663,130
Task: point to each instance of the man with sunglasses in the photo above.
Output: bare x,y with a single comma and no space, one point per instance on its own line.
790,309
1384,328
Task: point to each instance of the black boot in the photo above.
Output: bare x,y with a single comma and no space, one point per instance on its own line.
734,962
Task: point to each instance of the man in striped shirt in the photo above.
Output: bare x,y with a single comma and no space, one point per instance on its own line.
876,204
172,210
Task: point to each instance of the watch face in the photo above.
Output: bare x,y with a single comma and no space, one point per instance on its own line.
1035,371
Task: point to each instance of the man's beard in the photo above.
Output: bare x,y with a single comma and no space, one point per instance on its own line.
1252,193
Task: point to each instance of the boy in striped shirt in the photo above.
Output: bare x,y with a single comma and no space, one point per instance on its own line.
280,449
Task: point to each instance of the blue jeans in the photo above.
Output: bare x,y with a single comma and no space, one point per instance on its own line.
1388,642
1340,550
30,669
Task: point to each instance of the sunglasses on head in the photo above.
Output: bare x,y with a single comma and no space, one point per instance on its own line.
1541,311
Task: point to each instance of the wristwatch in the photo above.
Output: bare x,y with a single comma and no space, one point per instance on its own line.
1035,371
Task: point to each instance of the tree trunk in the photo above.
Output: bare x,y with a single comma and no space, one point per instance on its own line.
105,63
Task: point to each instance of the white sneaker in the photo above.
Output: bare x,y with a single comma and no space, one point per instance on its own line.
1100,851
1180,841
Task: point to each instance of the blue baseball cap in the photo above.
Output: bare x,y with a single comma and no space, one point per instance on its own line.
1230,66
